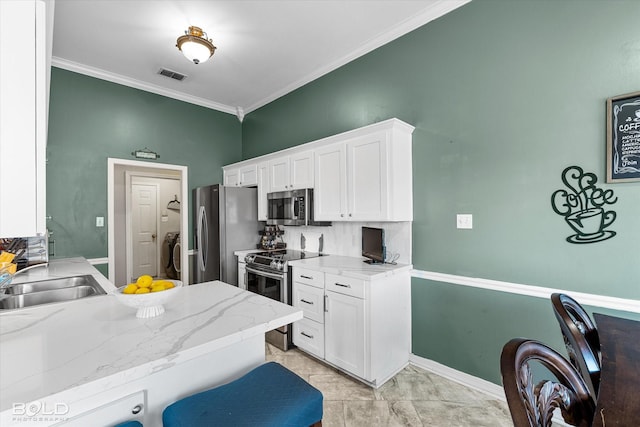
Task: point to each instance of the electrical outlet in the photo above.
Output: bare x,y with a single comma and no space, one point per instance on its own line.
99,221
464,221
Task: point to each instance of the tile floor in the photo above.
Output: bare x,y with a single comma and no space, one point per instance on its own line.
414,397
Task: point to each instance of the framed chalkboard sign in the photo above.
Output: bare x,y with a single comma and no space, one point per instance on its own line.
623,138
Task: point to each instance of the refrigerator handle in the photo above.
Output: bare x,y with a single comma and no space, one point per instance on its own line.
203,239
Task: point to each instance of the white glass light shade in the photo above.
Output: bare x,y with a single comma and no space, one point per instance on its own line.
196,52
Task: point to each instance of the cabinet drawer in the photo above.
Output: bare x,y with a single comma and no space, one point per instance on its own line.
345,285
309,336
308,277
310,300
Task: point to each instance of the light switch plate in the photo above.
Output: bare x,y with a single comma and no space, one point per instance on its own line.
99,221
464,221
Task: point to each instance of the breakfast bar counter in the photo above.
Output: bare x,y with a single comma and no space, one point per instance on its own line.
67,361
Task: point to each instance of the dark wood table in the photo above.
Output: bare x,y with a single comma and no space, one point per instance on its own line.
619,395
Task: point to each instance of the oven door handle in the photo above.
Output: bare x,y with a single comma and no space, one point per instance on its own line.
264,273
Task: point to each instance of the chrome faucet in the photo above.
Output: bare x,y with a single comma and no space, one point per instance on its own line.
6,277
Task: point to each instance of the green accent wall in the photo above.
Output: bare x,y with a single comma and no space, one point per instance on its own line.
91,120
504,96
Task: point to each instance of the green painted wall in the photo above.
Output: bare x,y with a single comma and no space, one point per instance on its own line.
504,95
91,120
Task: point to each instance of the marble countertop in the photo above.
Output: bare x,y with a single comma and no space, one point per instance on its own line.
350,266
78,348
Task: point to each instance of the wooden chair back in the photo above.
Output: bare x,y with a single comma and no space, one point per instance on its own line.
580,338
532,405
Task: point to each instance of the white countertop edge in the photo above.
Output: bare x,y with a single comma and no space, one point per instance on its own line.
351,267
94,387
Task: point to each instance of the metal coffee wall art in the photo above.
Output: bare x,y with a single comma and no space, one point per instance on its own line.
582,205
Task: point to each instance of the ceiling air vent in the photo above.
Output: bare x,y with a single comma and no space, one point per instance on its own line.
172,74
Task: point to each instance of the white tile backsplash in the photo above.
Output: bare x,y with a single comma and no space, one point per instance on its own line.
345,238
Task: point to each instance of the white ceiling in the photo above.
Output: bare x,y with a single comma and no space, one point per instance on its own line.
265,49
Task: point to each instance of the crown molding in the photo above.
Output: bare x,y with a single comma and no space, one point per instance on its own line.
436,10
138,84
427,15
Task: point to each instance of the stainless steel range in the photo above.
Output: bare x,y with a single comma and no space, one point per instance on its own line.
268,274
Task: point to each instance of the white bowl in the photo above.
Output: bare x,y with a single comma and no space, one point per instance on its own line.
151,304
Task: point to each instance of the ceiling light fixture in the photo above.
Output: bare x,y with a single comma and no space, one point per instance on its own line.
195,45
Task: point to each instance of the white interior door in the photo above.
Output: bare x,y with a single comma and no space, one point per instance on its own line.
144,228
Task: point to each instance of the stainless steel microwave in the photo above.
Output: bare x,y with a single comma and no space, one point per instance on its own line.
293,207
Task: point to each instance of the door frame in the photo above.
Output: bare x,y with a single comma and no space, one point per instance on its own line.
151,168
129,178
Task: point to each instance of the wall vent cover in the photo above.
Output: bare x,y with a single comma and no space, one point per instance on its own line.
172,74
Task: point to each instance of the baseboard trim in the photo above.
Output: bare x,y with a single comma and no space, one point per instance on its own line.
593,300
467,380
459,377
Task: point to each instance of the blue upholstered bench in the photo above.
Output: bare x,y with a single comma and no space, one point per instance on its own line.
268,396
129,424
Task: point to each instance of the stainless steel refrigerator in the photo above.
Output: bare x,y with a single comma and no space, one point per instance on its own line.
225,220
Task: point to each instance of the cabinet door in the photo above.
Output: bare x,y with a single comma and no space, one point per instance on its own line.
23,120
367,178
231,177
330,193
248,176
345,337
263,189
279,174
301,170
242,269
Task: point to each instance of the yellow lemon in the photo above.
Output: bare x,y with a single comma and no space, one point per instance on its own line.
144,281
169,285
157,287
142,291
131,288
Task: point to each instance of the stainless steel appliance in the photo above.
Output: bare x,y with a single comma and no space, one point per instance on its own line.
225,220
268,274
293,207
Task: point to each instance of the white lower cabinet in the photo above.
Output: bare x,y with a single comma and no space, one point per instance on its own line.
129,408
362,327
309,336
345,333
242,271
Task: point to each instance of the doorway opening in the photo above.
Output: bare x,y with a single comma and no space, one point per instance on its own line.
148,220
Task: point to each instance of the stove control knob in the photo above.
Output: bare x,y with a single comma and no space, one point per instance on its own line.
273,264
279,265
249,258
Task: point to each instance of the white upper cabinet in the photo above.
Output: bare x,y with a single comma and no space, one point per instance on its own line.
263,189
291,172
279,174
361,175
330,196
23,117
243,176
366,177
